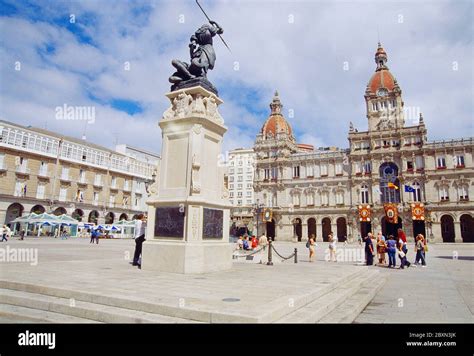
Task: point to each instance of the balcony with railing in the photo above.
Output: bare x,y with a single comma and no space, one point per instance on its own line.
82,180
98,182
65,177
43,173
22,169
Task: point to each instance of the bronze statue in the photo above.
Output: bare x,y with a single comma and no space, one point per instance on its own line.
203,56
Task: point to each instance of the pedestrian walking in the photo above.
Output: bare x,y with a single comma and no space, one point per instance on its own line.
403,237
420,250
140,231
391,251
369,250
22,234
310,245
332,247
381,248
402,254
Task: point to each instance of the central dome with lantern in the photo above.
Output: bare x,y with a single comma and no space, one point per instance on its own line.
383,96
276,123
382,81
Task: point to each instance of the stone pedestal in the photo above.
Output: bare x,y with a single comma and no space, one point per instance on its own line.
189,213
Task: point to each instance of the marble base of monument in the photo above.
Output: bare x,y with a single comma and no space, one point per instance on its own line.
189,210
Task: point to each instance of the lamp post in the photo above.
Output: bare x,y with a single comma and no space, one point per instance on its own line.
257,207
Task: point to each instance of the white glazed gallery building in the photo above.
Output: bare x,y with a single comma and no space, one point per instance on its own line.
321,191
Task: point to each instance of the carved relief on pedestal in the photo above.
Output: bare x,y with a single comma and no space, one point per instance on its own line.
198,107
195,183
185,105
182,104
211,110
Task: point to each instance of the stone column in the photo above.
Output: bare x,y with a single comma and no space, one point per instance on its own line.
436,230
457,232
319,231
188,212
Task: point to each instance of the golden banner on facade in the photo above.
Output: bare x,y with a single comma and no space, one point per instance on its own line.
418,211
267,215
391,212
364,212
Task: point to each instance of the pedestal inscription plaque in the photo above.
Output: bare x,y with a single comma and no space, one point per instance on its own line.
213,221
169,222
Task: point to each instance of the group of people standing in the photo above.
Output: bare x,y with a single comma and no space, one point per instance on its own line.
247,243
393,247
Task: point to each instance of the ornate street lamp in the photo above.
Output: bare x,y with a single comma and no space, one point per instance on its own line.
257,209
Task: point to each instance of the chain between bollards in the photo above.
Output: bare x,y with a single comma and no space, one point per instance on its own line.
270,263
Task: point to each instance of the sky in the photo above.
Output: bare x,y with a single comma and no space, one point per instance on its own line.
115,57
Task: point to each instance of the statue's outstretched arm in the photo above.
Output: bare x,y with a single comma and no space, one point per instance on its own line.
216,28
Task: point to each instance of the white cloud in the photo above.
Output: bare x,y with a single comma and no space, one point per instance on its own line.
303,60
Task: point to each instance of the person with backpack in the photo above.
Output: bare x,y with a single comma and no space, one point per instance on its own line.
310,245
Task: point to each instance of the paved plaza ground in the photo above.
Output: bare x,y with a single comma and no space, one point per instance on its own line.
89,282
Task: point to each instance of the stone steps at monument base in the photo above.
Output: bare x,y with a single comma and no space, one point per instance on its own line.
324,305
281,305
17,314
80,309
274,310
348,311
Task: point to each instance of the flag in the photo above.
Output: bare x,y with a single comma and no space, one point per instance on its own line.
392,186
409,189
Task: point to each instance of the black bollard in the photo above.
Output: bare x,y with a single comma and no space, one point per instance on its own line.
296,255
269,263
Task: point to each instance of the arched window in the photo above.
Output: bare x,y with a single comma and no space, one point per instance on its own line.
389,183
364,194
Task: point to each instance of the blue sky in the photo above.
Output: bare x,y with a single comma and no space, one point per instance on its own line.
299,48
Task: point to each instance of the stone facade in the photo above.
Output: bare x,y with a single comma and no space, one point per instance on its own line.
320,191
42,171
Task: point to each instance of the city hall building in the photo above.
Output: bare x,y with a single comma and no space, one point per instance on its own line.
390,177
43,171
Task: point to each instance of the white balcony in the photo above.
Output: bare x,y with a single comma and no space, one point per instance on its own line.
65,178
22,170
43,173
98,182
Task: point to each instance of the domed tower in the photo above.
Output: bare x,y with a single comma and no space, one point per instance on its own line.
383,97
276,125
276,136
